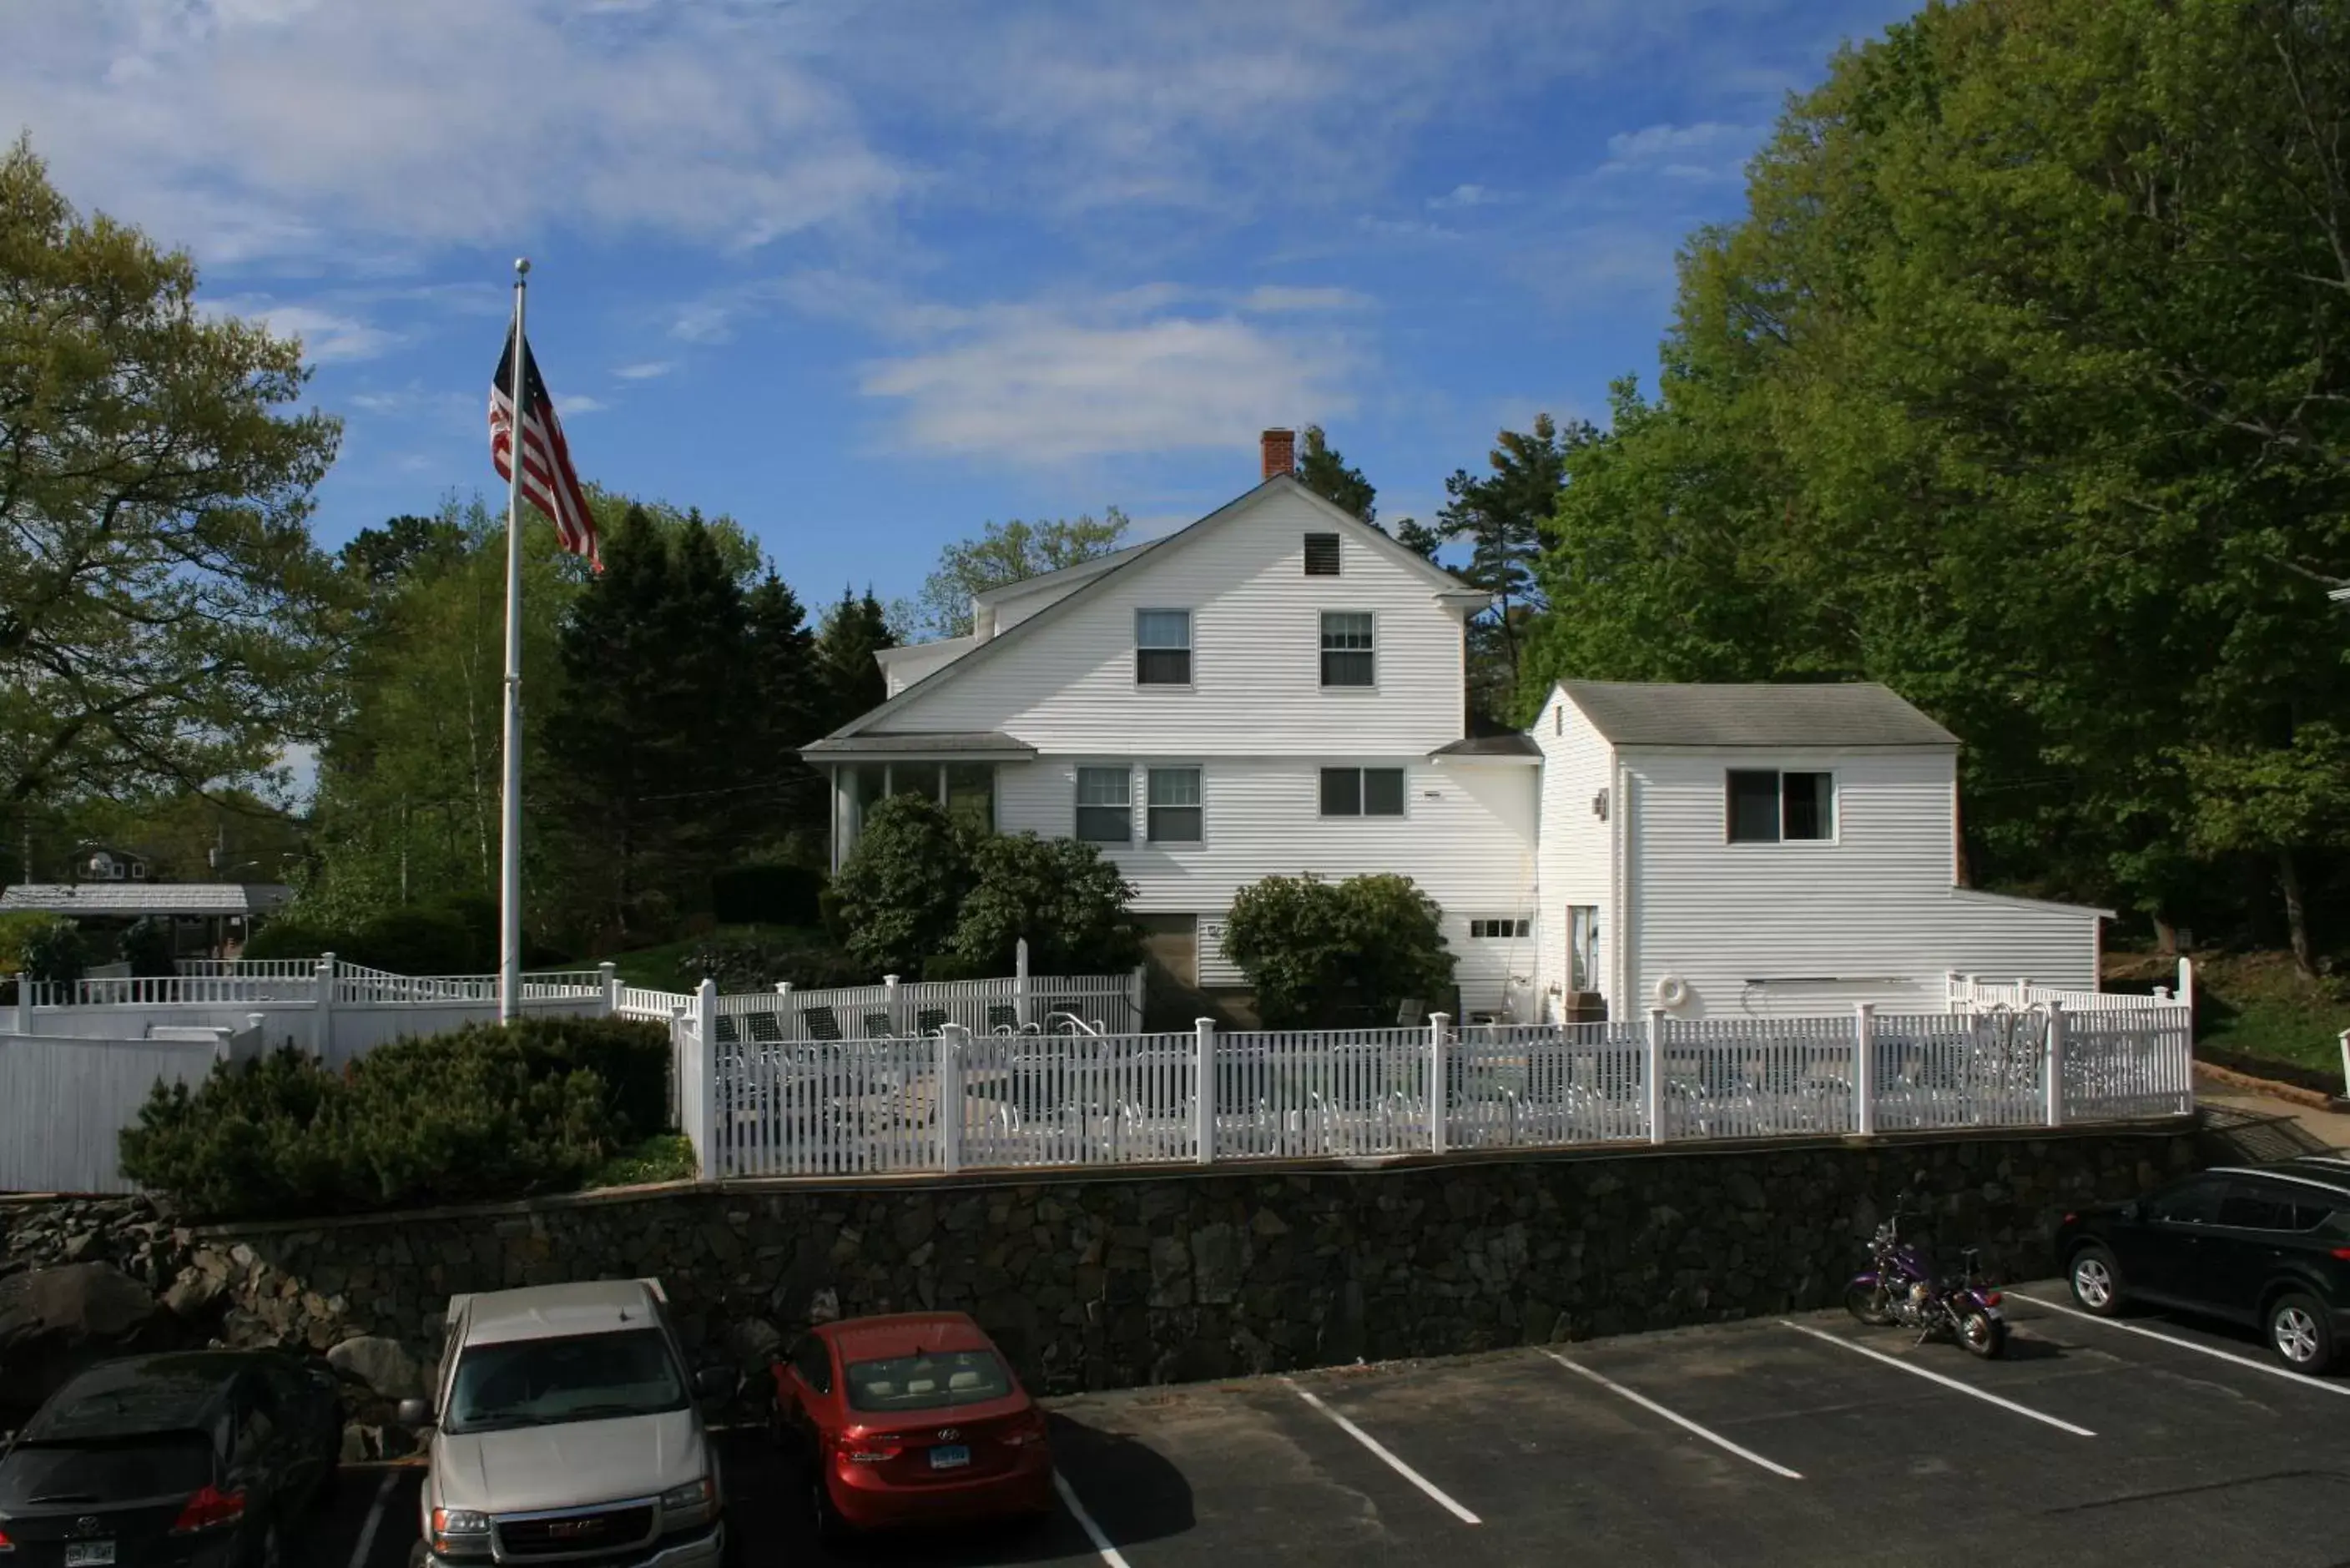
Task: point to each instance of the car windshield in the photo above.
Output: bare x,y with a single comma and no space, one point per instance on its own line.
579,1378
121,1470
927,1380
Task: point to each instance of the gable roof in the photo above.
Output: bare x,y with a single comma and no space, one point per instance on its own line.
1442,582
1856,713
145,898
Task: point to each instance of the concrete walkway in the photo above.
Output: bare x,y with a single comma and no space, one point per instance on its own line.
2330,1128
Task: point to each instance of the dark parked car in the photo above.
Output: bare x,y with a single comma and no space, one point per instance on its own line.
2266,1245
193,1459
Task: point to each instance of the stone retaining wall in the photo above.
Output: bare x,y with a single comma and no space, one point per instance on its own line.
1128,1278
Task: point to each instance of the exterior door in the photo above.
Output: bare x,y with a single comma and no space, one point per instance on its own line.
2161,1255
2245,1249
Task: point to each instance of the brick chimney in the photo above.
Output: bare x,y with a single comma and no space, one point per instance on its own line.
1280,452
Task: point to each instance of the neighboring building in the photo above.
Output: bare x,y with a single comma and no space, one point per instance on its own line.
1280,687
101,862
209,918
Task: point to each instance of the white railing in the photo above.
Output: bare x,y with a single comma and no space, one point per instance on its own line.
1982,993
351,985
963,1100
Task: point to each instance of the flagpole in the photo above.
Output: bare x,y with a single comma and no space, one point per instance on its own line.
510,792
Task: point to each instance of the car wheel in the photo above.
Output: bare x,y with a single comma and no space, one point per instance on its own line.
2096,1280
2301,1332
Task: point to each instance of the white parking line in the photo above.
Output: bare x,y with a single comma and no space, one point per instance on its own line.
374,1520
1093,1532
2304,1379
1395,1464
1642,1400
1843,1343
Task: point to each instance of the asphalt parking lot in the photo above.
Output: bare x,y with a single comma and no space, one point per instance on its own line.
1772,1441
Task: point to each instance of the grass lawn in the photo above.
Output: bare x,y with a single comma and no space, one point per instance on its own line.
664,968
2258,1004
667,1156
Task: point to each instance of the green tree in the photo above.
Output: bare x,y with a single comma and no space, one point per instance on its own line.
1010,553
1317,951
899,894
852,631
788,701
1501,515
1322,470
1067,902
161,604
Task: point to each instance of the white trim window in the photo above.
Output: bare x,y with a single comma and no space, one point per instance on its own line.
1362,792
1348,658
1162,648
1764,805
1500,931
1172,812
1105,808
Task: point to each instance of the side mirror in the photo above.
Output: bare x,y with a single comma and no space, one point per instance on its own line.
413,1413
716,1382
2130,1211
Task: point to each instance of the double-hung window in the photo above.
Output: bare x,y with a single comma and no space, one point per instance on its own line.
1362,792
1172,806
1347,653
1769,808
1105,811
1162,648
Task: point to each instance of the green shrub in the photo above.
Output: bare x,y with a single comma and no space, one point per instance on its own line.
56,952
901,889
291,936
1061,894
766,895
483,1113
1317,951
15,931
421,940
148,948
755,963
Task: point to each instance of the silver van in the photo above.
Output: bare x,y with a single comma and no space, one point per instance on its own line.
567,1430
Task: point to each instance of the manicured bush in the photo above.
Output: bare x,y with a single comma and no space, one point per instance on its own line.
56,952
1320,953
147,947
766,895
757,963
1061,894
901,889
480,1114
291,936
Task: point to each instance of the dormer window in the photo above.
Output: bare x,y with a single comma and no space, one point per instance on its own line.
1162,648
1320,554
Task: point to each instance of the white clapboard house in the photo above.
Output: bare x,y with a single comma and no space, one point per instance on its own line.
1279,688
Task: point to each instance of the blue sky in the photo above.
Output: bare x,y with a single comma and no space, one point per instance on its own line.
866,275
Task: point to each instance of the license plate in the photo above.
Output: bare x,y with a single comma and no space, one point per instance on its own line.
946,1458
89,1554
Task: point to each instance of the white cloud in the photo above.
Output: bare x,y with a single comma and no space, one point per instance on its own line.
1708,150
580,403
645,369
265,128
1053,382
1273,299
1462,196
329,336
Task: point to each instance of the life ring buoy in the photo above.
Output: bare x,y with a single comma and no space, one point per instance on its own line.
1671,991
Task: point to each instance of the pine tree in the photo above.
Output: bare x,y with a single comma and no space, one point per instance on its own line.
1501,515
1325,473
789,702
854,630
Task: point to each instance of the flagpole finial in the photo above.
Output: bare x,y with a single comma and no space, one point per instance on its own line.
522,266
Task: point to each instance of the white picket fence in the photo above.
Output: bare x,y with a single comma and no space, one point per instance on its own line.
956,1099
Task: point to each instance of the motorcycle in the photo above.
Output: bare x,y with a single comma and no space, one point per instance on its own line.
1901,1289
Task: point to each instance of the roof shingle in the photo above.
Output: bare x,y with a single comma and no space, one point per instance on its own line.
1857,713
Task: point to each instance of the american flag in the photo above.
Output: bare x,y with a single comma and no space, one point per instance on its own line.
548,481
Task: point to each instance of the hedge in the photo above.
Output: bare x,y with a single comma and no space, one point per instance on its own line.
487,1111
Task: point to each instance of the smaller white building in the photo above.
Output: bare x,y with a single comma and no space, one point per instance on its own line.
1747,850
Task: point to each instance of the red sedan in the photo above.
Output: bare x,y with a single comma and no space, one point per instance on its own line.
911,1419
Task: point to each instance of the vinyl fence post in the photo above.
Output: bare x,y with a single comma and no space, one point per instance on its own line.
24,1004
1864,1068
1020,982
2055,1107
705,1067
949,1087
611,973
889,985
1656,1075
1137,993
1438,1110
2187,986
1204,1104
322,1023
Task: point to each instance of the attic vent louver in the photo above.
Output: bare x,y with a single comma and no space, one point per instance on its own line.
1320,554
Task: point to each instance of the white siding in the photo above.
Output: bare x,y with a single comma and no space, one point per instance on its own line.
1802,928
1466,837
909,665
1574,859
1069,687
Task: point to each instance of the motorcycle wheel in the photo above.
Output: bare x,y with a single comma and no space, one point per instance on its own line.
1982,1334
1870,1303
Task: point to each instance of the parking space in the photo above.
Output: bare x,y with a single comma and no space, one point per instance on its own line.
1768,1442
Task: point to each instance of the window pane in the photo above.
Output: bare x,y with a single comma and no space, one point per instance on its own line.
1101,787
1162,629
1753,808
915,778
1105,825
1348,670
1320,554
1346,630
869,780
1342,791
1382,792
1162,665
2251,1207
971,795
1174,786
1809,804
1174,824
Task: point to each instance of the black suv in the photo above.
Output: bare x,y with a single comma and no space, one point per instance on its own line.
2265,1245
